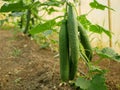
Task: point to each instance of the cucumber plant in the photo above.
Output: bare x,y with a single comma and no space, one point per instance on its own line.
82,48
30,18
72,45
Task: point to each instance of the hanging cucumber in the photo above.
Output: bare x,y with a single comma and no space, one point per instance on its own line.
63,51
73,40
85,41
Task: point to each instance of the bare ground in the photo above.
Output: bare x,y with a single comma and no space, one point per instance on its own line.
24,66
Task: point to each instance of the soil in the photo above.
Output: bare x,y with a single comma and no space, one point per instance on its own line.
24,66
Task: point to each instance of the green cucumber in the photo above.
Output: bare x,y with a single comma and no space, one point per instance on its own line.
73,41
63,51
85,41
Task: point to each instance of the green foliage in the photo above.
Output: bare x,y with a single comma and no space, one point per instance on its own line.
50,6
11,0
48,25
108,53
2,21
52,3
45,40
95,81
84,21
99,29
82,83
51,10
17,14
6,0
97,5
95,28
19,8
13,7
35,5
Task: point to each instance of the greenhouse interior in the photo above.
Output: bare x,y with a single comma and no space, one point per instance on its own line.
59,45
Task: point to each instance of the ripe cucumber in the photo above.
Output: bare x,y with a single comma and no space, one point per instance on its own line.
63,51
85,41
73,40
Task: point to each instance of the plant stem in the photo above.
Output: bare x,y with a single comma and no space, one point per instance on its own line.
28,21
28,17
90,11
99,60
21,21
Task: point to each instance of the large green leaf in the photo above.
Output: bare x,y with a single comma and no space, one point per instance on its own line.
52,3
108,53
82,83
93,27
99,29
97,5
43,27
96,83
96,29
84,21
13,7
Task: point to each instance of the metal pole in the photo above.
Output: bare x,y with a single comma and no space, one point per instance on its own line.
109,22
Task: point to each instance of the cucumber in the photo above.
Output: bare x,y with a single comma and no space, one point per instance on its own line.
73,41
63,51
85,41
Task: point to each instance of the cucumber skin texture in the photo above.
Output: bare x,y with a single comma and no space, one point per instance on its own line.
63,51
85,41
73,41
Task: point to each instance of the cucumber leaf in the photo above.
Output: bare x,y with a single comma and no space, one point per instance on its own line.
96,83
109,53
99,29
97,5
82,83
84,21
96,69
13,7
52,3
48,25
51,10
93,27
